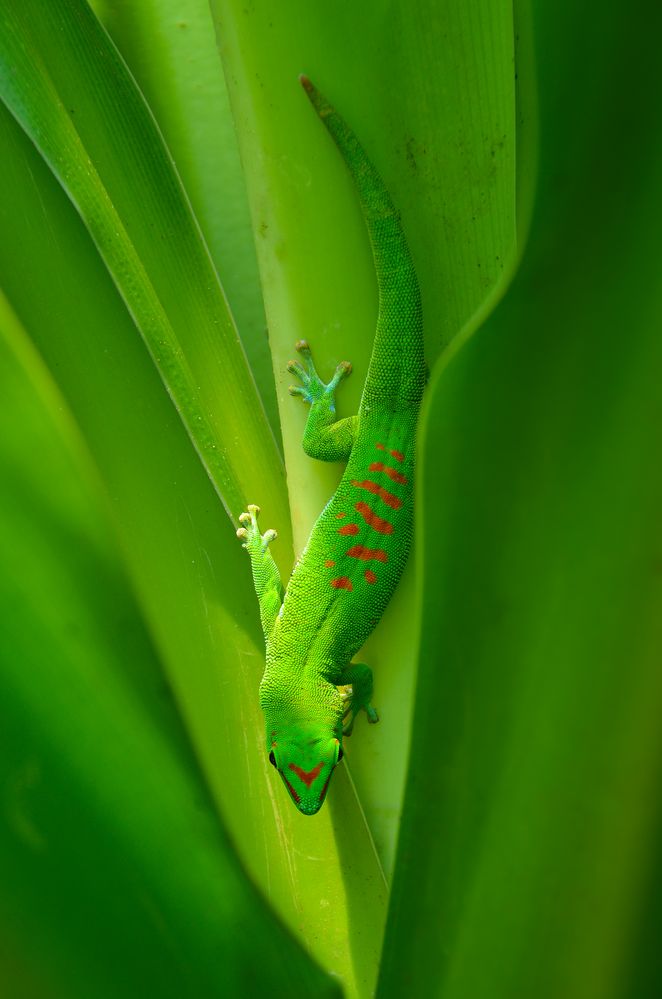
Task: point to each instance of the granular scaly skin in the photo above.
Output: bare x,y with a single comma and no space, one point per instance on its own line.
359,545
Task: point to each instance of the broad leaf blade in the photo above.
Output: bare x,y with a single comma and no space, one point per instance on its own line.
170,48
116,877
191,575
66,84
531,823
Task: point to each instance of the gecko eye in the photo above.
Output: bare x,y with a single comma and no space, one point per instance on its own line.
272,759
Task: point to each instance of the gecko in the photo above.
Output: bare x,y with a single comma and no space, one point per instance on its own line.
354,557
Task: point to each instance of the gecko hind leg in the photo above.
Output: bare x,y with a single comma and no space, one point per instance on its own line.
359,677
325,437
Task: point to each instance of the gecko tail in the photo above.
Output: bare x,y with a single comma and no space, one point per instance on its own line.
396,375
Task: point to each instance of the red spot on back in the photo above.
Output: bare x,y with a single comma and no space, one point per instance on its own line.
342,583
393,473
370,576
349,529
368,554
339,515
307,776
398,455
380,447
373,487
329,564
377,523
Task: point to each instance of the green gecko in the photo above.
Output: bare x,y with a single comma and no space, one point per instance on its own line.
358,547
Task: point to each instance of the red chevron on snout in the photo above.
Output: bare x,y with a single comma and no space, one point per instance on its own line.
307,776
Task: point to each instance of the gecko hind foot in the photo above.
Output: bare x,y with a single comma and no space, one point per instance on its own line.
312,388
250,535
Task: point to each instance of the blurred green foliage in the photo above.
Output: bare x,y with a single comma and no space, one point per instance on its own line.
144,845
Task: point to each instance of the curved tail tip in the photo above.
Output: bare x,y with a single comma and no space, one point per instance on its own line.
305,83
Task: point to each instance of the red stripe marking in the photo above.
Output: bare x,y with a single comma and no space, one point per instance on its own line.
371,518
307,776
370,576
393,473
329,564
398,455
367,554
349,529
292,791
393,501
339,515
342,583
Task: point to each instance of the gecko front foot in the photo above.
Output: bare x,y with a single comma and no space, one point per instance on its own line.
253,541
312,388
358,677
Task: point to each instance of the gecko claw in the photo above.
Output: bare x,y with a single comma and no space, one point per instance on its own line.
250,534
343,370
312,388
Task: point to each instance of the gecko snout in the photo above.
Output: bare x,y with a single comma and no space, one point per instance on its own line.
306,767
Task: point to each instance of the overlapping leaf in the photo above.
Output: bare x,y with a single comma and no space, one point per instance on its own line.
530,847
190,573
171,50
69,89
102,796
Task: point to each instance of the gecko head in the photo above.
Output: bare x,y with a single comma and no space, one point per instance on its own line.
304,739
305,757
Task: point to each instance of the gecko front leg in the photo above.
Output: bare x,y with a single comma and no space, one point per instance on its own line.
358,676
325,437
266,577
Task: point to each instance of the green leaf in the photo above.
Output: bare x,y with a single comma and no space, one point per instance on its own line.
171,50
69,89
189,571
529,850
192,576
117,878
